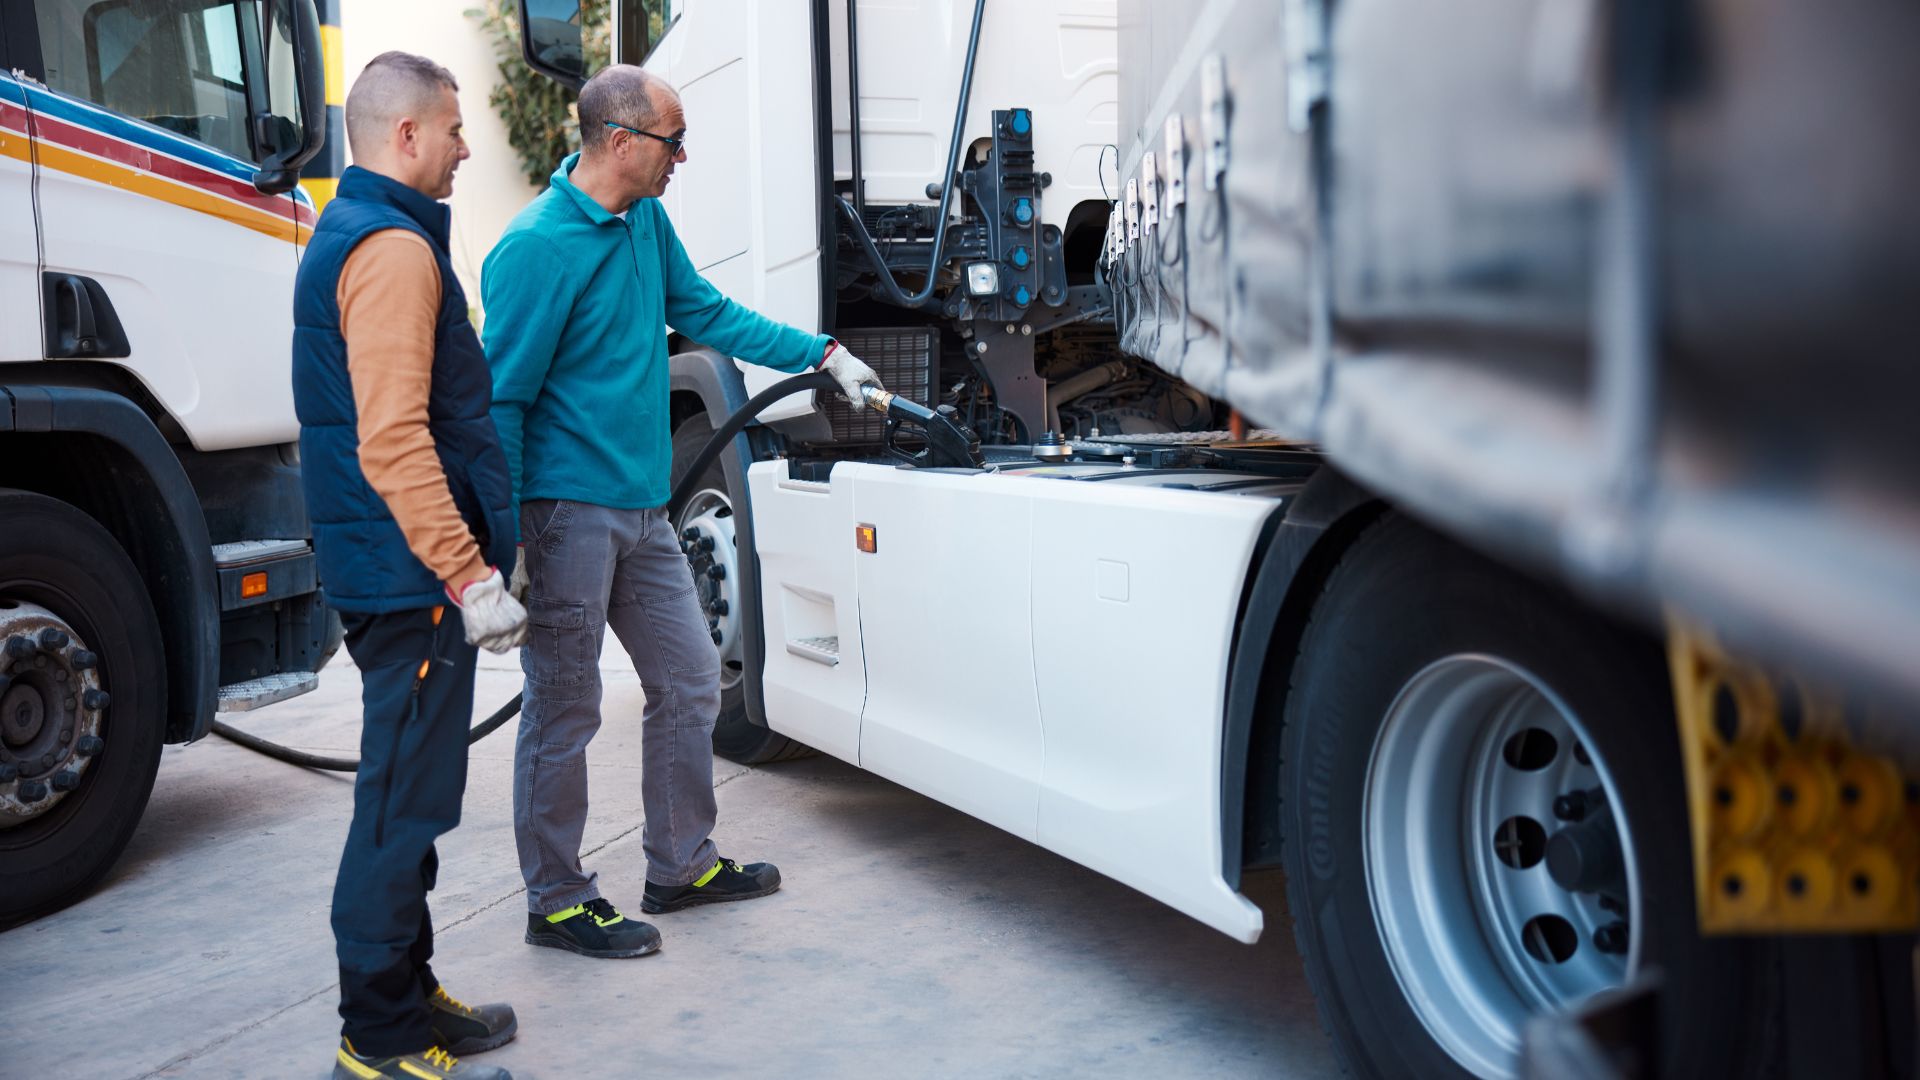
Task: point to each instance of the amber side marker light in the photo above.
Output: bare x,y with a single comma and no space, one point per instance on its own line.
865,538
254,584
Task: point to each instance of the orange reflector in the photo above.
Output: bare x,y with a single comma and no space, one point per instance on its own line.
253,585
865,538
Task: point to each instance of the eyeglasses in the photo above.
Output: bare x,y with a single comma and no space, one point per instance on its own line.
674,143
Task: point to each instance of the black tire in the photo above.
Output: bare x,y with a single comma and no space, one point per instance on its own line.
55,556
1400,599
735,736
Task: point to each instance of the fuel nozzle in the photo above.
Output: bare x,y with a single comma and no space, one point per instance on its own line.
949,445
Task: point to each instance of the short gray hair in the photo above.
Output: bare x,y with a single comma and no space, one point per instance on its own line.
621,93
392,85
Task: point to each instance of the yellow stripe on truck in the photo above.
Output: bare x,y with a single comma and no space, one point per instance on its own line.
75,163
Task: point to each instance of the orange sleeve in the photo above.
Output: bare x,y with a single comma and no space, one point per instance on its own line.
389,297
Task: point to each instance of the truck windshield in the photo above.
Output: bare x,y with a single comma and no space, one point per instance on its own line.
173,63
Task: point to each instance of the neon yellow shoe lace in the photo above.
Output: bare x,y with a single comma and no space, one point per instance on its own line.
440,1059
440,994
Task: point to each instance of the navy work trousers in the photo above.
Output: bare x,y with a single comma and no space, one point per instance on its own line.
413,770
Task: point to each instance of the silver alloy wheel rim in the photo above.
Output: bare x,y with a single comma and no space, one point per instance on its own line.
1452,913
710,513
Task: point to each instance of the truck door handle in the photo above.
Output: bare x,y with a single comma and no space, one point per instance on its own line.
80,320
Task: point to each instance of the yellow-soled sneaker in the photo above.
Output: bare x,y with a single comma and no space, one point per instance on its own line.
430,1064
725,880
594,928
467,1029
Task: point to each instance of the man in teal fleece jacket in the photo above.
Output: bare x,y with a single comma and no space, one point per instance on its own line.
578,295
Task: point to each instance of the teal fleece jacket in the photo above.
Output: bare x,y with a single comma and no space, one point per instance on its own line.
578,302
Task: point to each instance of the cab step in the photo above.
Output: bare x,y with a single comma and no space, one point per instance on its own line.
265,690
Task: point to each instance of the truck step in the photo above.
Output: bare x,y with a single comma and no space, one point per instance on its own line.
820,650
244,696
242,552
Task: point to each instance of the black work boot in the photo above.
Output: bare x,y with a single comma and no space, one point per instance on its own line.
728,880
430,1064
463,1029
592,929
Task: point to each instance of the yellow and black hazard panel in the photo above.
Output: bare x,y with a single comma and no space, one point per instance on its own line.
1798,823
322,174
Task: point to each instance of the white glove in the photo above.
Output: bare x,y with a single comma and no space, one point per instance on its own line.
495,620
517,585
849,372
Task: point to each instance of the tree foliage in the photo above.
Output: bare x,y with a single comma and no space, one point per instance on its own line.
539,113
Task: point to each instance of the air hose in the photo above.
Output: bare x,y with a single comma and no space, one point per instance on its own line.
677,501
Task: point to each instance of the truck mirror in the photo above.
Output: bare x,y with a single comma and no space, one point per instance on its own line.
550,40
281,170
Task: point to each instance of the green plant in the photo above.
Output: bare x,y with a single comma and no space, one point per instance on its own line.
538,112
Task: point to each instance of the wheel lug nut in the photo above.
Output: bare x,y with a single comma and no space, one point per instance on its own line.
9,772
706,543
32,791
89,745
84,658
19,648
1611,938
717,572
716,636
47,760
720,607
96,699
66,780
53,639
66,736
690,534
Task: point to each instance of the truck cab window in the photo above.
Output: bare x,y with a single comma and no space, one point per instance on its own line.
173,63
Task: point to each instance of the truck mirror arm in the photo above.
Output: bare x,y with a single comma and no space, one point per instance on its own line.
281,171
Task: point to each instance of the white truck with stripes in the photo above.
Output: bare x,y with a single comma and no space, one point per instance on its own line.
154,555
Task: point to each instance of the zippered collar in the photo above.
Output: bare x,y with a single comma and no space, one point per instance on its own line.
563,180
369,186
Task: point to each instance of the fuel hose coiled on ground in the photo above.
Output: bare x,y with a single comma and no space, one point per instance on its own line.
677,501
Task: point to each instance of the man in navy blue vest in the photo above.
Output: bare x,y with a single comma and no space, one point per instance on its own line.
410,500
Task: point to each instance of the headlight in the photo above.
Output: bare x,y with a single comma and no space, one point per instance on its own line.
983,278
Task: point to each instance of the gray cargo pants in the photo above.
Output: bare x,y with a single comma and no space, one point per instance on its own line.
591,567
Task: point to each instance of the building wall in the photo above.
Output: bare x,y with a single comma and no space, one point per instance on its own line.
489,189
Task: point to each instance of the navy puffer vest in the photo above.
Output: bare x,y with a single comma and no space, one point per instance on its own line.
365,564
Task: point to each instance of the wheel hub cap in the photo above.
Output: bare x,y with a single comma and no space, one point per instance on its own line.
52,706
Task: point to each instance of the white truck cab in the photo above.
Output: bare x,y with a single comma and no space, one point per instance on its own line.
1519,637
154,557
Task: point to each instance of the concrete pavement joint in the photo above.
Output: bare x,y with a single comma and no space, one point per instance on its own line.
236,1033
182,1059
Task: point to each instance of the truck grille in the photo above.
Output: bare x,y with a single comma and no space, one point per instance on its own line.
903,358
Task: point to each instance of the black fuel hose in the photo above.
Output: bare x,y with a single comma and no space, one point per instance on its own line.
677,501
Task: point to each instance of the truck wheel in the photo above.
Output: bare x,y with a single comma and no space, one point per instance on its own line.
83,696
1484,818
705,526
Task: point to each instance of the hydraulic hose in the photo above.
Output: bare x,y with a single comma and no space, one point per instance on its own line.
677,501
859,227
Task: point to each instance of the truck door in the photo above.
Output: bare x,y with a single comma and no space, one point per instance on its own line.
146,155
19,247
745,202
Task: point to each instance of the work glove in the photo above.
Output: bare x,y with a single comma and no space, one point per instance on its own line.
850,373
517,585
495,620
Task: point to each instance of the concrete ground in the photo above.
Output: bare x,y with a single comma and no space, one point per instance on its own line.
909,940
